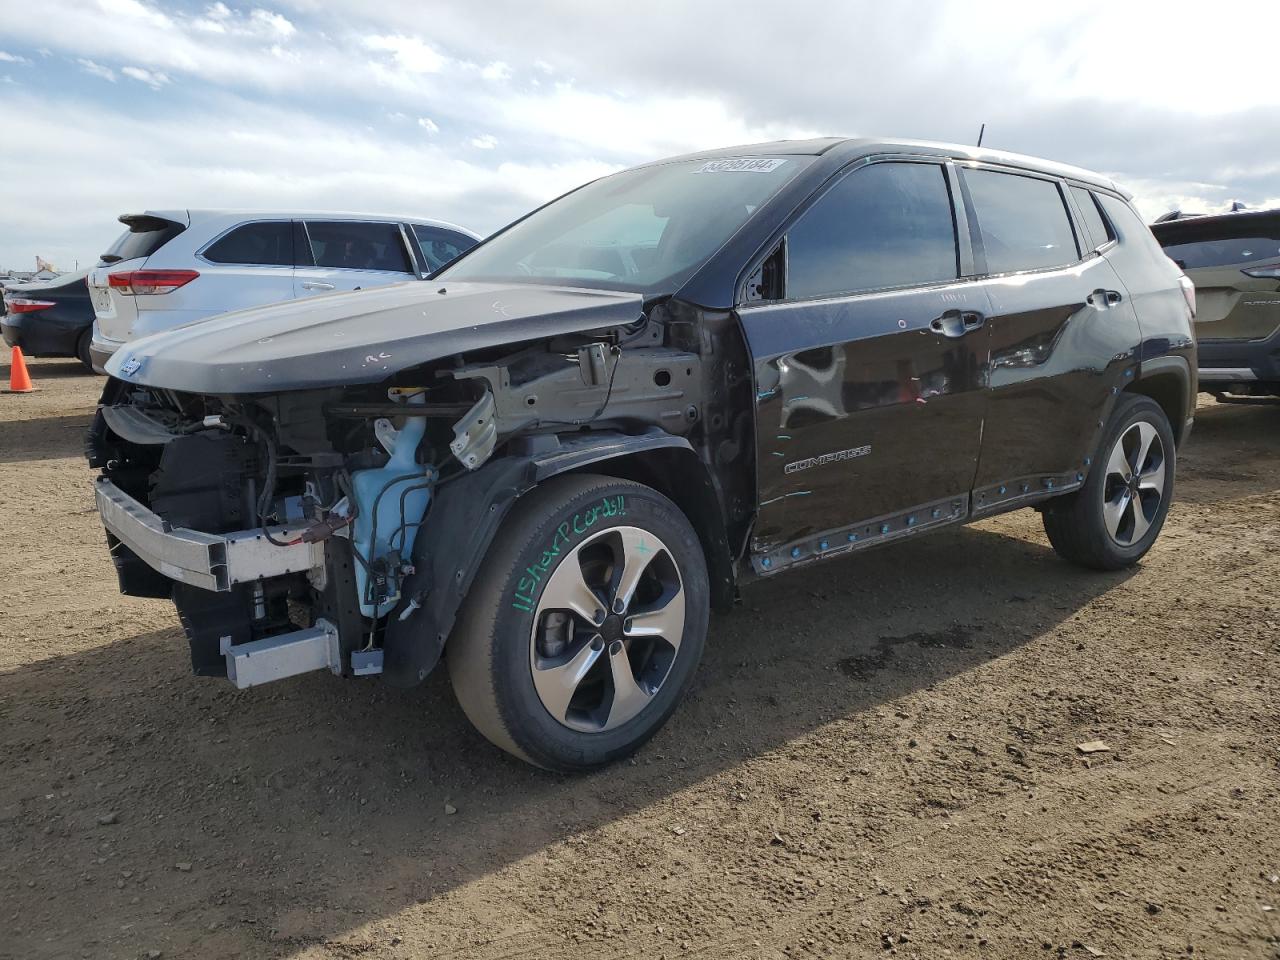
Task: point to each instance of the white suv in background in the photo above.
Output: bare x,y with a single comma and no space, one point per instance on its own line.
171,267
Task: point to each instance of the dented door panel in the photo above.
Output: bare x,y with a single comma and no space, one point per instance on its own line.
1061,341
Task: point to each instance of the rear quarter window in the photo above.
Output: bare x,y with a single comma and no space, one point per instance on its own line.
1022,220
269,243
1097,229
1133,232
440,246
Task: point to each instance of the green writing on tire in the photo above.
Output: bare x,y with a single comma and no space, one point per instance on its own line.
565,534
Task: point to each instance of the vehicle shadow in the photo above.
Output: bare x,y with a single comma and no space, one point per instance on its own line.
286,793
43,438
1233,452
48,369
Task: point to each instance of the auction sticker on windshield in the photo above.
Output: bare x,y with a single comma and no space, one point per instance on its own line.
741,165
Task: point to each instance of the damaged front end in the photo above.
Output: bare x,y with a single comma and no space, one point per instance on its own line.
337,527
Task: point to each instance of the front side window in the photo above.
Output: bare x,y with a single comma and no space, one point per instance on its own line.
884,225
1023,221
357,245
439,246
645,230
1099,233
267,243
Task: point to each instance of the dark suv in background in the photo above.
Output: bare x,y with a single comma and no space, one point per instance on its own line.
1234,261
551,461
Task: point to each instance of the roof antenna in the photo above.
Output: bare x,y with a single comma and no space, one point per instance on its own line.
981,131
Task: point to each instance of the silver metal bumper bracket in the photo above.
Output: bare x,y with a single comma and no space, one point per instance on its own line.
287,655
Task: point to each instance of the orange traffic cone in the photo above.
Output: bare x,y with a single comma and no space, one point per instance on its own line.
19,379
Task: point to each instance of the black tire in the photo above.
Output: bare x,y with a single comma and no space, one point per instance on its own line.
493,652
1077,524
82,350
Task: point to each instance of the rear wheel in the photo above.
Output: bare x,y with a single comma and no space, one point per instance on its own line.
82,349
1114,519
585,623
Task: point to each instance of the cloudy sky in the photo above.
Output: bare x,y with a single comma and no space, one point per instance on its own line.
475,111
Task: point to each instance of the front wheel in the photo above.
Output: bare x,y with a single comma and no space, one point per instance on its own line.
585,623
1113,520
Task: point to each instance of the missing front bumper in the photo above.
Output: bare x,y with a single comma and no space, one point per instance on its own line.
211,561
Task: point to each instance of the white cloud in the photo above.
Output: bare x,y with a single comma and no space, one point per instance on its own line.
220,45
229,154
650,126
267,22
1154,197
154,80
1044,79
409,53
97,70
12,58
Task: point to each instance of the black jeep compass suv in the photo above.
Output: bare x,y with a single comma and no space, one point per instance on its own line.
551,461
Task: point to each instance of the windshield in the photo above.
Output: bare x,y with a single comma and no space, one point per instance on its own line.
644,230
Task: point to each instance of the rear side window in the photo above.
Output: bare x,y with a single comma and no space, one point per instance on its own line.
357,245
1096,228
885,225
1023,221
440,246
266,243
144,236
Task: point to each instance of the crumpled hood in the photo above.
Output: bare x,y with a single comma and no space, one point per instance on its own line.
360,337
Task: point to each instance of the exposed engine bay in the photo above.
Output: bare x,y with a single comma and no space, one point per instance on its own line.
309,510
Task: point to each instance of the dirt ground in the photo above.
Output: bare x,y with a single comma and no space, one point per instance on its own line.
878,759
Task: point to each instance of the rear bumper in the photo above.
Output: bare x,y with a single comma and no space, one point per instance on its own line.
100,352
1227,363
211,561
38,339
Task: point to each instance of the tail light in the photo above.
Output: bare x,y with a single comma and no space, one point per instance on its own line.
1188,293
26,305
1266,271
147,283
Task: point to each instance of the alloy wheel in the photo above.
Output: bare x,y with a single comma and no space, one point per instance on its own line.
1134,485
607,629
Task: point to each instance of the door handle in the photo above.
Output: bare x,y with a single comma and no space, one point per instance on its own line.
316,285
1104,298
956,323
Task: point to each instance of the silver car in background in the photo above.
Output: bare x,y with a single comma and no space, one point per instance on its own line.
171,267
